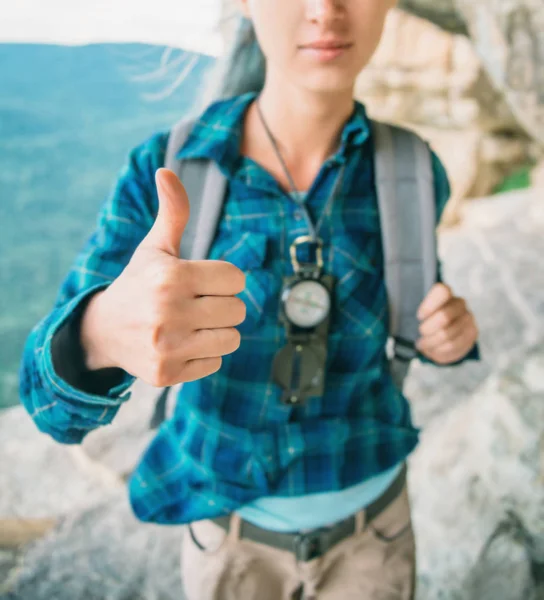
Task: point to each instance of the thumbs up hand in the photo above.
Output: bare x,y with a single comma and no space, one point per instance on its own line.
166,320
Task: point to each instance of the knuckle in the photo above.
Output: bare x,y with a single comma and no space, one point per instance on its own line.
449,347
447,335
461,304
160,275
157,335
186,274
161,289
444,318
208,310
185,347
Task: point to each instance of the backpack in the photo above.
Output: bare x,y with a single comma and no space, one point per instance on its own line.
407,209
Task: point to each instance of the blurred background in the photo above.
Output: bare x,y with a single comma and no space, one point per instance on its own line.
80,85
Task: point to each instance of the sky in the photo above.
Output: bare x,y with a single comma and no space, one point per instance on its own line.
187,24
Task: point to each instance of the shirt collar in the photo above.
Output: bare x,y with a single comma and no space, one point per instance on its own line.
217,134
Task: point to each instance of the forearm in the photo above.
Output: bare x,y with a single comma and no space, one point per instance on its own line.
63,398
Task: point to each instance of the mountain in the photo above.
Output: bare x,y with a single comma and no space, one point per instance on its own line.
68,118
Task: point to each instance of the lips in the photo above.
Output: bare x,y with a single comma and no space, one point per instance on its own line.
326,51
328,45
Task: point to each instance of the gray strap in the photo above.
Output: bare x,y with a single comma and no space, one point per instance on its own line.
406,199
206,187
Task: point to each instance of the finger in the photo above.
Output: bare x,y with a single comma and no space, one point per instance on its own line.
439,295
448,334
216,312
172,216
210,312
207,345
453,350
444,317
214,278
211,343
198,369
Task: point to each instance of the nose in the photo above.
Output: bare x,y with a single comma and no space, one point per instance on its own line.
320,11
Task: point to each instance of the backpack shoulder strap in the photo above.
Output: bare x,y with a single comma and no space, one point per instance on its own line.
407,206
206,187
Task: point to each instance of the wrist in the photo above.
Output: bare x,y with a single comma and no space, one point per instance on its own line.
92,334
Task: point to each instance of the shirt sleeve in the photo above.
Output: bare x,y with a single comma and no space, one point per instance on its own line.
442,194
63,399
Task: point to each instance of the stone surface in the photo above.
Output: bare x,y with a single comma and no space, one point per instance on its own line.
441,12
477,463
476,479
102,553
41,479
507,35
493,260
447,97
119,446
537,175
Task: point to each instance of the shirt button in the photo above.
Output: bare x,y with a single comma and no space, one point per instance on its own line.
298,215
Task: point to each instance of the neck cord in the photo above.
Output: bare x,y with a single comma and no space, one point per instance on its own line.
312,229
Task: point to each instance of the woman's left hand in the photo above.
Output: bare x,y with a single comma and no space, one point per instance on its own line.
448,329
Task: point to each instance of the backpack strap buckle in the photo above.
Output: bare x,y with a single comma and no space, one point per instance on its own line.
401,349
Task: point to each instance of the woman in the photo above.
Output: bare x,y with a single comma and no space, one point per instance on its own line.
284,500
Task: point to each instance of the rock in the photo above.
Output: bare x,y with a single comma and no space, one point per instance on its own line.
102,552
506,35
508,552
491,260
449,99
477,463
45,480
120,445
19,532
537,176
8,563
440,12
429,83
476,478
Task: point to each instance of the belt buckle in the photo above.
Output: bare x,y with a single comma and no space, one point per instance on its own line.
308,546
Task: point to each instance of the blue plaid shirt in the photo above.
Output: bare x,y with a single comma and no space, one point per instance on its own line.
230,439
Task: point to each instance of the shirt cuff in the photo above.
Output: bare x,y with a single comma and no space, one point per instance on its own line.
64,361
473,354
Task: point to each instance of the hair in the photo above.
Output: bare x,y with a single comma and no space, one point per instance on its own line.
239,70
242,69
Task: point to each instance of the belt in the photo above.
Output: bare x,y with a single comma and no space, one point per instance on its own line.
313,544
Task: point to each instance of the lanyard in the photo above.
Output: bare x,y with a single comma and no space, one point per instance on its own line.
313,230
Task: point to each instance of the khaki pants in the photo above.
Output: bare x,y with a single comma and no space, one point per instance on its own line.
376,563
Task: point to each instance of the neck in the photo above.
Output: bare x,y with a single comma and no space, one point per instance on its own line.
307,128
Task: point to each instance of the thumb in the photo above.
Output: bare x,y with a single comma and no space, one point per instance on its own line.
172,216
